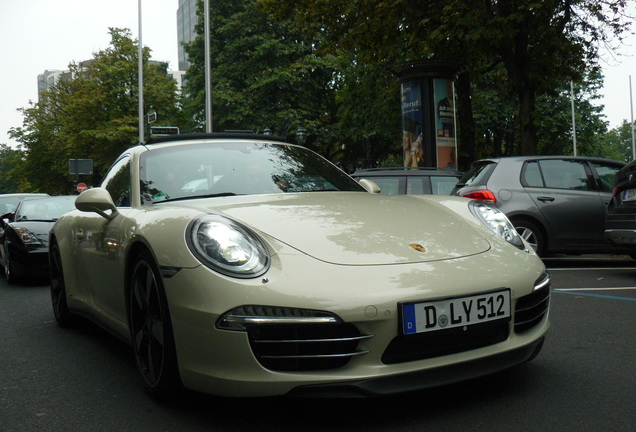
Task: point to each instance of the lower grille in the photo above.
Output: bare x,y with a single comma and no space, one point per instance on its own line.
531,309
421,346
304,347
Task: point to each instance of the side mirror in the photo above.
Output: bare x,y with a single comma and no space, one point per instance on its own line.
370,186
97,200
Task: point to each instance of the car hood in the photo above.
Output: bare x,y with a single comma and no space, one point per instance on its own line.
357,228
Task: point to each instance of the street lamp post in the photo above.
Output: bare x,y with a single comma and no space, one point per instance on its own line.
140,54
208,74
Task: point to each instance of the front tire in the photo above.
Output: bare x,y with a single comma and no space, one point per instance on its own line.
8,271
151,329
58,288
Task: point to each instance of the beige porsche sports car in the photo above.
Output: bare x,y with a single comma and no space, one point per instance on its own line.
239,265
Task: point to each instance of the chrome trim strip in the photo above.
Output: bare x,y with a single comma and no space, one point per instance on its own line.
278,320
344,339
354,354
538,317
538,304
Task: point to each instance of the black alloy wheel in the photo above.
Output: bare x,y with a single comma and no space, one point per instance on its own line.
8,272
151,329
58,288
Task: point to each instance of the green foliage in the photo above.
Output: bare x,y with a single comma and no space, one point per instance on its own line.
270,74
10,180
532,47
93,115
264,75
617,143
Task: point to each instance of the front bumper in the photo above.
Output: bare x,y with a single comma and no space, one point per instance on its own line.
29,263
224,362
425,379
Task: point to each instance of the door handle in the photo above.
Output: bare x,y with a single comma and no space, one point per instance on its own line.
545,199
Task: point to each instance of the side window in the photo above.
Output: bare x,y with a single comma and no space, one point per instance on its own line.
415,186
606,175
565,174
442,185
388,185
531,175
117,182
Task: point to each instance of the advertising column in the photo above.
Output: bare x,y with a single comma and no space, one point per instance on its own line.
412,124
445,143
429,127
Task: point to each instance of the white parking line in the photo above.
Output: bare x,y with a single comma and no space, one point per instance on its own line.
596,289
590,268
578,292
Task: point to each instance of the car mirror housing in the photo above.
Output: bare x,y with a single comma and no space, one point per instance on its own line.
370,185
97,200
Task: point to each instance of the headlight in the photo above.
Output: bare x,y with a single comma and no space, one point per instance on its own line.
227,247
497,222
27,237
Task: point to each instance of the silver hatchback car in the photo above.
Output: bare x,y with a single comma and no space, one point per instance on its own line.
557,203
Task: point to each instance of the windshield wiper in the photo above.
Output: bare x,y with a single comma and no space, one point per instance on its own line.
214,195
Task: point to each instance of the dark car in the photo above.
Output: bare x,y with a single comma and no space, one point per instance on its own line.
9,202
557,203
24,240
620,220
411,181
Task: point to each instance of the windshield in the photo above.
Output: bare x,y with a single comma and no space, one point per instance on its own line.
236,168
45,209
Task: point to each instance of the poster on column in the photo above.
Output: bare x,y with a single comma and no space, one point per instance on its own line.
412,124
446,144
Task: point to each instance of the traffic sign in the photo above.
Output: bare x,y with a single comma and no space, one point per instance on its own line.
81,187
163,130
80,166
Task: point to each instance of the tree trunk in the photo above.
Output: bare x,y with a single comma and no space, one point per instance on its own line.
467,152
527,106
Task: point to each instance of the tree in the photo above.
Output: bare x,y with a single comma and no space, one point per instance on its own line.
92,115
10,160
264,75
496,119
268,74
534,46
617,143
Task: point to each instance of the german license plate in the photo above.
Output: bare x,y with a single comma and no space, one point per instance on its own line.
629,195
455,312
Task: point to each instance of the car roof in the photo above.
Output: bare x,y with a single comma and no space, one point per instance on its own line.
392,171
543,157
25,194
213,135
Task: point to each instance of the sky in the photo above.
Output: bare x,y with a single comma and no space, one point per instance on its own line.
39,35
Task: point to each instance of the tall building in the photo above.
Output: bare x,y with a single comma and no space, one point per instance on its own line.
49,78
186,20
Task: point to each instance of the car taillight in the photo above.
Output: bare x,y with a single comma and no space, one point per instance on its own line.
615,191
481,195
